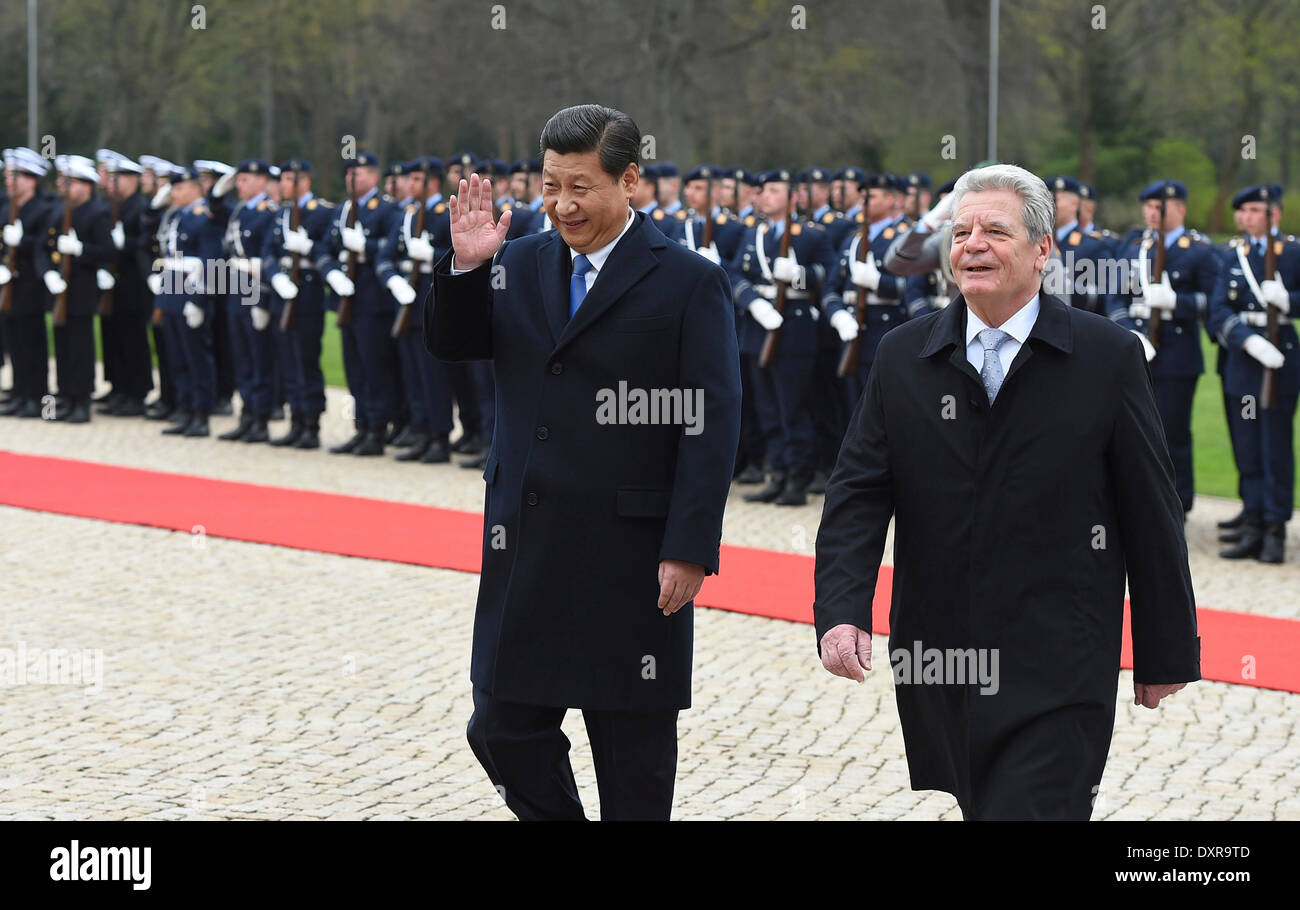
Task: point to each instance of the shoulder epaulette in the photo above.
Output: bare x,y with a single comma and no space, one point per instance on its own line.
311,204
749,221
440,208
657,214
828,218
412,208
263,205
721,219
681,214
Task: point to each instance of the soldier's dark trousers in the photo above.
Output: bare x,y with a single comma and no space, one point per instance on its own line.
108,347
829,409
166,376
352,372
787,384
222,357
428,387
253,352
379,365
465,391
752,447
1266,460
74,354
126,346
526,756
29,353
1174,402
485,386
298,355
193,364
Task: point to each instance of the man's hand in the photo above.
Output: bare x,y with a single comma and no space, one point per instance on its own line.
679,582
1161,296
419,249
474,236
297,242
788,269
845,325
846,651
1151,695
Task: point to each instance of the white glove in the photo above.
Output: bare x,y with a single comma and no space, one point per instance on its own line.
223,185
844,323
162,197
865,274
5,275
942,211
401,289
340,284
193,314
710,253
1161,296
13,233
765,314
119,236
69,245
104,278
155,282
1146,346
1139,310
54,281
1258,346
192,268
787,269
261,317
420,249
1275,294
297,242
354,239
284,286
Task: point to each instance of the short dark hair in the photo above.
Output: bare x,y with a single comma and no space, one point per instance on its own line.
594,128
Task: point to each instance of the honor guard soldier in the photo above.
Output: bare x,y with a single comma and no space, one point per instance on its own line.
458,166
747,186
1181,295
1085,251
526,188
22,291
373,305
836,225
249,225
416,242
189,251
782,388
669,188
293,260
1087,211
73,261
210,171
156,185
726,228
1262,375
918,254
125,329
918,195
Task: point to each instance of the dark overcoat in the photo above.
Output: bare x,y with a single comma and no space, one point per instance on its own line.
580,509
1016,526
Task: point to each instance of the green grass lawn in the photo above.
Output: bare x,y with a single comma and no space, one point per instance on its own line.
1212,453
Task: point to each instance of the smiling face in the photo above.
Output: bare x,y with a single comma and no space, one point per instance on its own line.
993,260
586,205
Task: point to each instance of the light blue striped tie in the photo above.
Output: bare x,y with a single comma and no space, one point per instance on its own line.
992,376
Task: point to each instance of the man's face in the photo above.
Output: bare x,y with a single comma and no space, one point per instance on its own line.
880,203
184,192
519,186
362,180
801,196
1087,208
669,189
149,183
417,183
122,186
992,257
1067,207
837,195
852,194
1254,216
586,205
697,195
774,200
1237,220
401,186
643,193
273,190
724,191
918,201
207,179
1175,212
819,194
249,185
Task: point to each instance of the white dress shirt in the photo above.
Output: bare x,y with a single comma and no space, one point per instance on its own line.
1018,327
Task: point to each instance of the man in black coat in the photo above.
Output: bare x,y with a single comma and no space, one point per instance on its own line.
617,419
1015,441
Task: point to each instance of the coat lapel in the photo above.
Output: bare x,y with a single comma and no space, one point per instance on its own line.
627,264
554,269
1052,326
950,330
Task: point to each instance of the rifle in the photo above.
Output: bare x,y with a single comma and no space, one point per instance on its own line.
707,240
295,221
65,269
403,321
1268,381
1158,269
735,191
773,340
106,297
350,268
852,350
6,292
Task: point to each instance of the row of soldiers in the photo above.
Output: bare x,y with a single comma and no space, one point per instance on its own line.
234,268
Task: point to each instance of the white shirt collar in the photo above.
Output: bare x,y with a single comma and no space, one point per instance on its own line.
252,203
1018,326
597,258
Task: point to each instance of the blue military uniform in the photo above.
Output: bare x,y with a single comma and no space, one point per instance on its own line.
25,322
1082,252
1264,436
1192,267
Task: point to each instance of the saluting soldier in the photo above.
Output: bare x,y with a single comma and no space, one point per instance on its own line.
783,388
917,195
25,317
298,347
1182,296
1239,317
210,171
155,183
1082,251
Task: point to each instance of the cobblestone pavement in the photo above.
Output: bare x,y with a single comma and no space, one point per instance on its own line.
247,681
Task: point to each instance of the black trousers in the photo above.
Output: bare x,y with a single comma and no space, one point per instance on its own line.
29,354
74,355
526,756
124,339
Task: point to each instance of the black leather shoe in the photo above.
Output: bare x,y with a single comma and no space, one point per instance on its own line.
818,483
277,413
769,493
12,407
245,424
1233,536
257,432
309,438
1273,549
62,409
128,407
30,409
752,474
80,413
468,444
158,411
438,452
178,427
198,426
346,448
108,403
371,444
291,437
1251,543
408,437
1233,522
224,408
415,445
394,431
796,489
477,463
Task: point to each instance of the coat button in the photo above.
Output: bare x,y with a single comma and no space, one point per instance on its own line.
531,499
542,432
556,369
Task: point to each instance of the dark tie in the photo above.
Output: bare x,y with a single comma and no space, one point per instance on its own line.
578,283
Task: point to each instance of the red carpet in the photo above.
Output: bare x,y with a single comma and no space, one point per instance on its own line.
759,582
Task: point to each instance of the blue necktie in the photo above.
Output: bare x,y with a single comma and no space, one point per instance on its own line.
578,283
991,375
